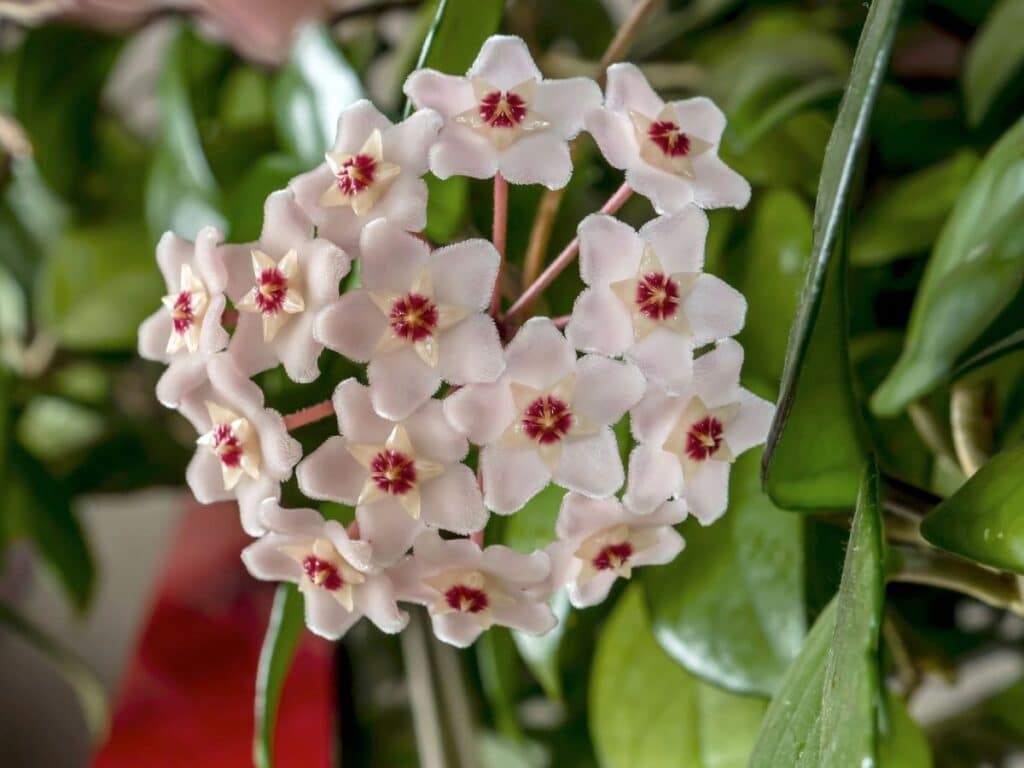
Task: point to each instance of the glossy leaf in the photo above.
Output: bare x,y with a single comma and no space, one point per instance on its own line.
312,89
731,608
541,653
982,520
973,273
805,465
995,56
646,710
905,218
826,710
533,527
284,631
245,200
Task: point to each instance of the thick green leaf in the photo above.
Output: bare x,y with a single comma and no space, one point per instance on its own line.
901,742
92,696
826,710
805,465
982,520
731,608
309,94
96,285
905,218
283,633
499,677
646,710
994,58
51,428
974,272
533,527
245,200
446,207
1005,346
540,653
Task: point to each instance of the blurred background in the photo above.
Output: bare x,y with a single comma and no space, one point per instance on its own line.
129,631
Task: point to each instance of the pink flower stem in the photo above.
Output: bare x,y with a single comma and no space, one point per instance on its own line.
565,258
499,232
309,415
561,321
477,538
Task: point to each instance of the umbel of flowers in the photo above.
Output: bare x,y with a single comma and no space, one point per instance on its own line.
650,336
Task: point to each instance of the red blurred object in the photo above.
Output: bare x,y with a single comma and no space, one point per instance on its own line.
187,696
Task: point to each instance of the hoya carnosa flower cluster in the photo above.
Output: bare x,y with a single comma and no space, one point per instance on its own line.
650,336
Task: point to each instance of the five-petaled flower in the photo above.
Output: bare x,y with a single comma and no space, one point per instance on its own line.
647,297
278,284
374,172
689,440
503,117
668,151
187,330
401,475
244,450
419,318
468,589
600,540
334,572
547,417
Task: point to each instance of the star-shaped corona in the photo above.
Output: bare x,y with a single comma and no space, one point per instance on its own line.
394,470
700,435
665,144
468,592
324,568
359,179
655,297
503,116
187,308
545,419
230,440
275,295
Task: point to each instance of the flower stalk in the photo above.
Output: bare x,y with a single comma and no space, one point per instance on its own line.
499,236
310,415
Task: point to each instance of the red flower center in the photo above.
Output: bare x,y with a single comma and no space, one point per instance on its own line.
612,556
356,174
393,472
502,109
322,573
182,315
271,287
669,139
227,446
657,296
704,438
413,317
547,419
466,599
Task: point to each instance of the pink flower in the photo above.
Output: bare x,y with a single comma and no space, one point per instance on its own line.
334,572
504,117
689,440
547,417
187,330
372,173
419,318
401,475
647,298
668,151
278,284
244,450
468,589
599,540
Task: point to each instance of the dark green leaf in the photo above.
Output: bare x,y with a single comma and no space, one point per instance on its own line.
905,218
446,207
901,742
283,633
50,428
731,608
974,272
499,676
245,200
995,56
533,527
92,696
826,710
805,465
982,520
646,710
309,94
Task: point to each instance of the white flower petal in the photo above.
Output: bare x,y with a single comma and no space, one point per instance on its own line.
458,629
351,326
432,436
464,274
375,599
298,350
470,351
357,420
715,310
325,616
539,355
716,375
389,529
593,592
183,376
606,389
665,357
717,185
512,476
533,618
610,250
563,103
291,520
591,465
392,259
205,479
516,569
452,501
251,354
700,117
480,411
330,473
708,492
579,516
460,151
628,89
448,94
600,322
400,382
614,136
751,424
538,158
679,239
654,476
355,123
504,61
153,335
285,224
655,415
667,193
407,143
668,545
251,493
404,204
265,560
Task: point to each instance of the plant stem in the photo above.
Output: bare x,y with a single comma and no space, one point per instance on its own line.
623,40
499,233
309,415
423,696
930,431
565,258
969,411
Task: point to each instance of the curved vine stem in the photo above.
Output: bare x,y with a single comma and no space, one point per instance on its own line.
970,420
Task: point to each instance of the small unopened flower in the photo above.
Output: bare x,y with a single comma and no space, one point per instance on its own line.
186,330
600,540
419,318
372,172
504,117
400,475
647,298
547,417
244,450
333,571
689,440
668,151
278,284
468,589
